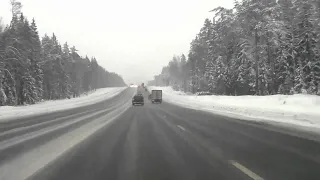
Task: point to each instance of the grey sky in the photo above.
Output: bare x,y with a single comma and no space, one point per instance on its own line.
133,38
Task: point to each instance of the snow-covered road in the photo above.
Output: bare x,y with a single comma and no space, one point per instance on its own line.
114,140
292,110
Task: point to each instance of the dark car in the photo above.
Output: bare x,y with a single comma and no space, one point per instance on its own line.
138,99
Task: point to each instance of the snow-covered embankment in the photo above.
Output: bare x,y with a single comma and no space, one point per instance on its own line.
12,112
298,110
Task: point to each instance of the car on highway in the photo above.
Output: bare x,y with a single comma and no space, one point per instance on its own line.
138,99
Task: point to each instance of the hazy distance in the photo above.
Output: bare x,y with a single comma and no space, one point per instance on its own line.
132,38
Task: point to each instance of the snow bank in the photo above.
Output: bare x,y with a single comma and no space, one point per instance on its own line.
301,110
14,112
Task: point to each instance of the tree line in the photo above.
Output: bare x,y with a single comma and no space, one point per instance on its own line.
33,70
258,47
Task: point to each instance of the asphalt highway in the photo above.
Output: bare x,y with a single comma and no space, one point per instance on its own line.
114,140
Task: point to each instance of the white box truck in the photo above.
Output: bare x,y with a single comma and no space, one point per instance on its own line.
156,96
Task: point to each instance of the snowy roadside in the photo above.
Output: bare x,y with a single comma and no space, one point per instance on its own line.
292,110
14,112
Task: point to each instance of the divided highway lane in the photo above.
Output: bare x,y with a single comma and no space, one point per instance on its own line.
167,142
22,137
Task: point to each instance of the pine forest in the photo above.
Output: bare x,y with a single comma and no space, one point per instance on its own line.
259,47
34,69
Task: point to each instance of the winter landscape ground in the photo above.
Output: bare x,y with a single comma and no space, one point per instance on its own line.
299,110
87,143
15,112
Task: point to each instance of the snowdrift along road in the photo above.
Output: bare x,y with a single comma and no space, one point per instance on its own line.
298,110
16,112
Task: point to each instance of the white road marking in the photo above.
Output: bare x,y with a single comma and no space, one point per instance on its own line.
181,127
246,170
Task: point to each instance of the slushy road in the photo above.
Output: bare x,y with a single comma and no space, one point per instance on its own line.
152,142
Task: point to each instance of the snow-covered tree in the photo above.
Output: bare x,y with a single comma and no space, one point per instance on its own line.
31,70
258,47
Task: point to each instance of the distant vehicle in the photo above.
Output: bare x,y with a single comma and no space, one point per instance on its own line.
156,96
133,85
140,91
204,93
138,99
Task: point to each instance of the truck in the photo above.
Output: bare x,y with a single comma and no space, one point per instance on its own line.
156,96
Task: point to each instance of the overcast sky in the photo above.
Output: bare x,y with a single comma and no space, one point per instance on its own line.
133,38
